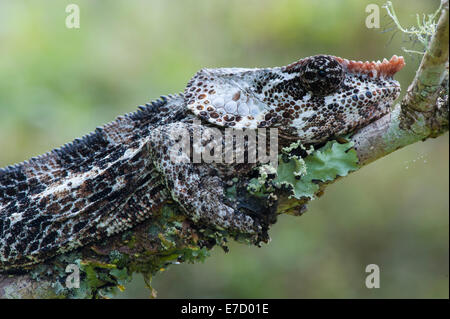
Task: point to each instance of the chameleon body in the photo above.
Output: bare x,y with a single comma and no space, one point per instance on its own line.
115,177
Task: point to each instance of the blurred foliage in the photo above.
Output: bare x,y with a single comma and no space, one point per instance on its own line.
57,84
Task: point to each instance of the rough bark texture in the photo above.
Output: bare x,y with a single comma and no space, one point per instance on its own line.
169,237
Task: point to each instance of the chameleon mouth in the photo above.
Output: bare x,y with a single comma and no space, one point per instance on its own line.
384,69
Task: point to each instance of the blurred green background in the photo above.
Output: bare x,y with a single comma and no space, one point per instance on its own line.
57,84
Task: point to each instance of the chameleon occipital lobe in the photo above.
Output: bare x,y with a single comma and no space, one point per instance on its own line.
115,177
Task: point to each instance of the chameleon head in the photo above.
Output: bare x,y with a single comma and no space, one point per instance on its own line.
312,99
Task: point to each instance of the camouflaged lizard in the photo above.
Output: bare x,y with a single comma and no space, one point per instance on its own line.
115,177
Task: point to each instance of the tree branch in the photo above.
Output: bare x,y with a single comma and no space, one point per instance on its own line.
423,112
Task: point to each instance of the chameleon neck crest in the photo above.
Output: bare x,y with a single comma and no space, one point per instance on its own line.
311,99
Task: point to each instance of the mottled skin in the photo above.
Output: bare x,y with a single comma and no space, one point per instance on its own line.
114,178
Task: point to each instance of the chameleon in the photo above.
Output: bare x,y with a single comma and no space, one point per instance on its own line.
115,177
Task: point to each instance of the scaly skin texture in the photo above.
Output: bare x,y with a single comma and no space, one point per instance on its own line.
114,178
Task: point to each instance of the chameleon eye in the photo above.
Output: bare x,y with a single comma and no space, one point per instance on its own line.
321,75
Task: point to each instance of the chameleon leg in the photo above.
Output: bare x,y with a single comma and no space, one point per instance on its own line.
193,185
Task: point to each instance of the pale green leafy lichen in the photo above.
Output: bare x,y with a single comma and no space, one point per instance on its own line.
324,164
302,174
259,186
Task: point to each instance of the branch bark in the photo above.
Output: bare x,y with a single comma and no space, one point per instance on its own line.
423,112
169,237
